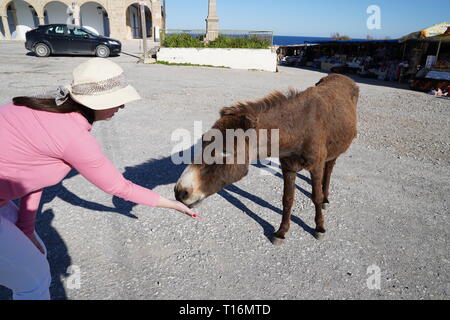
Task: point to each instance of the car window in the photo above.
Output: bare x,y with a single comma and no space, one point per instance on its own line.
56,30
78,32
59,30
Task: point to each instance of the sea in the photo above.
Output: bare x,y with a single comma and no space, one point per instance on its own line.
292,40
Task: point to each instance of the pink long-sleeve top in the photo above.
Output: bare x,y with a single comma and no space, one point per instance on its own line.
39,148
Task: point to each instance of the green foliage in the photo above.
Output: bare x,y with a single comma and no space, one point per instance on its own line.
184,40
229,42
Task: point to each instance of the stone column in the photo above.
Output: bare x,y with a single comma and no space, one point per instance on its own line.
76,13
39,14
73,14
212,22
157,19
6,27
117,19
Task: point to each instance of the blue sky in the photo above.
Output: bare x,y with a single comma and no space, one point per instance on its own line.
318,18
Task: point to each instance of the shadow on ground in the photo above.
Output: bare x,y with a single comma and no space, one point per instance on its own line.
158,172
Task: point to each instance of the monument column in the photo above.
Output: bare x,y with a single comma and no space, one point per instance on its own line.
212,22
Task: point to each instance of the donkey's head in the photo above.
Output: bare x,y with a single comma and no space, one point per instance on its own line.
222,161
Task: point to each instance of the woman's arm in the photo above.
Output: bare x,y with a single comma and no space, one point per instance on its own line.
29,205
26,216
85,155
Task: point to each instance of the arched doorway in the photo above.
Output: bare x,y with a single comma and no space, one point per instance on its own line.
93,16
22,17
134,29
55,12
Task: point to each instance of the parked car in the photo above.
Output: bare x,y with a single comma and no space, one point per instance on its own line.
64,39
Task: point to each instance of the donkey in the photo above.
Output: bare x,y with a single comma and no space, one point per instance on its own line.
315,127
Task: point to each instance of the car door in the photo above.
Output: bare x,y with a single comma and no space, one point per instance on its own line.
57,37
81,42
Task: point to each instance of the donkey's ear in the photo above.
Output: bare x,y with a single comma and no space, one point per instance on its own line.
230,111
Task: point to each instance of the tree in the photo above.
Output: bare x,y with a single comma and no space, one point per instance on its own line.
337,36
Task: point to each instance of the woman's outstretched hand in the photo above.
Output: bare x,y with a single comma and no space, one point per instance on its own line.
176,205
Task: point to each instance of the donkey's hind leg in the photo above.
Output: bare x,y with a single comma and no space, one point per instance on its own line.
326,182
289,175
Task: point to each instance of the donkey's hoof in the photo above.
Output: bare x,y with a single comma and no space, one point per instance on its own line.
325,206
319,235
276,241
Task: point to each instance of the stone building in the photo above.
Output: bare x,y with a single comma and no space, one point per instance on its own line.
119,19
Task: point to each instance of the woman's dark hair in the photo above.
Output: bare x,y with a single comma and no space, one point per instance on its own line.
50,105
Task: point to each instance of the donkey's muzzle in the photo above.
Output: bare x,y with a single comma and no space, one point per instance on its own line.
180,194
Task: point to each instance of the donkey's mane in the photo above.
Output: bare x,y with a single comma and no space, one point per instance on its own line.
262,105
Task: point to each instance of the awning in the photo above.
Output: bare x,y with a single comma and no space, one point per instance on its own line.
431,32
441,38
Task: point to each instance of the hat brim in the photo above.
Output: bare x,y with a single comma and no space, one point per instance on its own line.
108,100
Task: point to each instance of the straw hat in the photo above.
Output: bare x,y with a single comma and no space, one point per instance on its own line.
100,84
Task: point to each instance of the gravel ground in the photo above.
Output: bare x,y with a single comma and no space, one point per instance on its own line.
389,197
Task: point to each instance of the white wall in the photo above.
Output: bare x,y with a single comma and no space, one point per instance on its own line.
249,59
56,12
91,17
25,20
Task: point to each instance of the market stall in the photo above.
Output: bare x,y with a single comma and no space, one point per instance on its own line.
421,58
291,55
380,59
434,68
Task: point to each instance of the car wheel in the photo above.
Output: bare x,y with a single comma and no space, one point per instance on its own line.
42,50
102,51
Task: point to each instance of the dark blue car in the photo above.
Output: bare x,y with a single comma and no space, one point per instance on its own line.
64,39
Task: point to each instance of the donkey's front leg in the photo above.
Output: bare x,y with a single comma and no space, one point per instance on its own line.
317,198
288,200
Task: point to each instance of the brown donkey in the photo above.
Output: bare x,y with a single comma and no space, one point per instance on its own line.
315,127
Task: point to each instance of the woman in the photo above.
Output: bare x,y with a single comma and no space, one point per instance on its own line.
41,140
